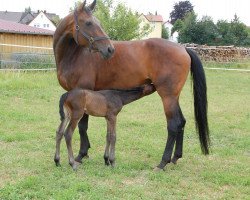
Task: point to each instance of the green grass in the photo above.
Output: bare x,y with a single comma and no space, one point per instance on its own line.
29,118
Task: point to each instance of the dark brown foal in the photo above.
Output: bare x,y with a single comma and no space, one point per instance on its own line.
105,103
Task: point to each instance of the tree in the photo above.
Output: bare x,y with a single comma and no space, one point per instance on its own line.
56,20
178,25
208,32
119,21
239,31
165,33
188,32
233,33
27,10
181,9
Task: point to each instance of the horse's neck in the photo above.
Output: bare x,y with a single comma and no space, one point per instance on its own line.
64,47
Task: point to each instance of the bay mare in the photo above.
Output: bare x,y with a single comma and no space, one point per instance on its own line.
86,58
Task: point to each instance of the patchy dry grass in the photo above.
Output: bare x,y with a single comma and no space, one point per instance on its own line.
29,118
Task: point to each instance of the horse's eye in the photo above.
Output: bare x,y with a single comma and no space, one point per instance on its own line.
88,23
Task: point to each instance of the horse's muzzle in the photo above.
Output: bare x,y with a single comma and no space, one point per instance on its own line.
107,52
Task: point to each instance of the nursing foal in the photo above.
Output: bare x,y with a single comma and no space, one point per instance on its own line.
103,103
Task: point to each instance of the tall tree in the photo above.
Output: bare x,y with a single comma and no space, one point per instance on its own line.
180,10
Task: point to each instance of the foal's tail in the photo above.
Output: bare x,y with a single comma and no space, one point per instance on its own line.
61,103
200,100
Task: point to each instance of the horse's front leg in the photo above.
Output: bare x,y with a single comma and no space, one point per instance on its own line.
84,140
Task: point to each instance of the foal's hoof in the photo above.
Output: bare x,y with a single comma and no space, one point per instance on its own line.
75,165
112,164
106,161
57,162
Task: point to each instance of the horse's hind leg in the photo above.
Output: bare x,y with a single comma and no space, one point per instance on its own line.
174,127
59,135
84,140
179,140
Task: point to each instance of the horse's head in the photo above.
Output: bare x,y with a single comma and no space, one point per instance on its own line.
88,32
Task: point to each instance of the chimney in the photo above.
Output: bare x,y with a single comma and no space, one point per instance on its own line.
44,11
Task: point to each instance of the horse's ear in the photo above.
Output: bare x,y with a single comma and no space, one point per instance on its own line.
83,4
92,6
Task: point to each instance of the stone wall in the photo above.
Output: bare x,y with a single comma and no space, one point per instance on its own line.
220,53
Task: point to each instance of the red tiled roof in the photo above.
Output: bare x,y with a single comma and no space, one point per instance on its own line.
12,27
154,18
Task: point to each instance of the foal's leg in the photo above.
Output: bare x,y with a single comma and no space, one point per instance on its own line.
171,107
179,140
59,135
106,153
84,140
109,155
68,137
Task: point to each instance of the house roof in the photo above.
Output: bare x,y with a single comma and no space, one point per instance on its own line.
154,18
12,27
24,17
11,16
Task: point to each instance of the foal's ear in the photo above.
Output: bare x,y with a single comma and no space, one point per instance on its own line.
92,6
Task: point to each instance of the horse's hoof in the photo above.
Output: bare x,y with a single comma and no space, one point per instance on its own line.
175,159
80,157
157,169
86,156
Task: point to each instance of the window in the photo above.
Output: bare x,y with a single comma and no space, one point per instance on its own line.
44,25
47,25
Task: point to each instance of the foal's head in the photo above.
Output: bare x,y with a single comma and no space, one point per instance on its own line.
88,32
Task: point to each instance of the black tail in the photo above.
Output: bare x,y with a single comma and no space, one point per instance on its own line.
200,100
61,103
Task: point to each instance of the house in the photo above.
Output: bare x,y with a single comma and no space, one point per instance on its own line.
174,36
39,19
155,22
17,39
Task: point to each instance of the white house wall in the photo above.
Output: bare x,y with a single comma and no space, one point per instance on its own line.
42,21
156,28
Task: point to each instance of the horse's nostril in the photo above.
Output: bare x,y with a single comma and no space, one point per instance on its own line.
110,50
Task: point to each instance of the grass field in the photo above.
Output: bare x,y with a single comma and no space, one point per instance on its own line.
29,118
